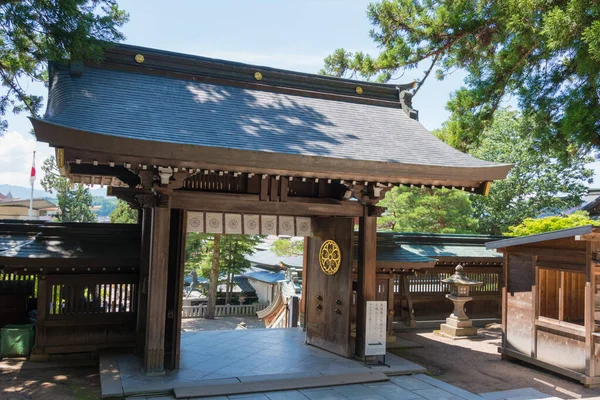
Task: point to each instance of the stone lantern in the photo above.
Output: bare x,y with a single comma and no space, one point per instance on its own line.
458,323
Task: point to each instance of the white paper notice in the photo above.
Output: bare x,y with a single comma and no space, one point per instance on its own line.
376,328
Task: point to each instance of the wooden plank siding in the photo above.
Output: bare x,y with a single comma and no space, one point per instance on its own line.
549,317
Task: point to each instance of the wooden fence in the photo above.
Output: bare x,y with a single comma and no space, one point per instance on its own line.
428,293
222,310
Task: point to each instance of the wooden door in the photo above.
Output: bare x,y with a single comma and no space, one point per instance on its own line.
328,297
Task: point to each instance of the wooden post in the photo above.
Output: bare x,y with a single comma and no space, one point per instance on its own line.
214,278
175,289
505,298
391,305
304,280
367,275
39,351
157,292
142,300
589,320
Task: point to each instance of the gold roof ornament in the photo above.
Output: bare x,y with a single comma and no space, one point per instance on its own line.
139,58
359,90
330,257
257,76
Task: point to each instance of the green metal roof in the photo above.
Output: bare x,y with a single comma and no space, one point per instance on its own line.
451,251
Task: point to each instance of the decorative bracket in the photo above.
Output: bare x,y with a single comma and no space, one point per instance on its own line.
405,98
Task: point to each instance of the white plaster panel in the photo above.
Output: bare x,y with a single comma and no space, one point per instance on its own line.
303,226
195,221
251,224
233,223
214,223
268,225
286,226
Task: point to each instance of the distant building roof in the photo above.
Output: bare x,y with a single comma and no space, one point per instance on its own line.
269,258
38,204
243,284
266,276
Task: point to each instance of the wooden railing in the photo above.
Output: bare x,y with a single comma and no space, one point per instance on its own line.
430,281
21,277
222,310
91,295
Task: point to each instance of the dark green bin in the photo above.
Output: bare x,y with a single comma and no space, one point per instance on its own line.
16,340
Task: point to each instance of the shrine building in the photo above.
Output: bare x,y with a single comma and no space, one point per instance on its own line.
206,145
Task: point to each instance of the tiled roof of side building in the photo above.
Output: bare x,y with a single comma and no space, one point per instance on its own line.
266,276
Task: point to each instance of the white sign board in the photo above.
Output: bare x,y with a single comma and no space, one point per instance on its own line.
376,332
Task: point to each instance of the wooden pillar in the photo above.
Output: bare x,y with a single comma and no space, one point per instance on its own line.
142,300
391,305
38,352
589,306
175,289
367,274
302,316
154,357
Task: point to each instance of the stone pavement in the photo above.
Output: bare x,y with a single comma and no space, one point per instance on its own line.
414,387
398,388
209,355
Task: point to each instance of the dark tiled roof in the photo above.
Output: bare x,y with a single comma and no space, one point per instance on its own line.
243,284
107,245
156,108
10,241
456,251
400,254
269,258
266,276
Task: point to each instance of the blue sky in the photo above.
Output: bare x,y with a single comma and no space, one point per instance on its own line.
293,35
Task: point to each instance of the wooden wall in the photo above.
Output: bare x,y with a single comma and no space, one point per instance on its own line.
85,313
545,305
519,314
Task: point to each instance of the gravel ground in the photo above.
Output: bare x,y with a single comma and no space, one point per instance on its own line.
476,366
50,384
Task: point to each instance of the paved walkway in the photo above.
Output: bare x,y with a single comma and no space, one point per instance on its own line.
414,387
398,388
242,354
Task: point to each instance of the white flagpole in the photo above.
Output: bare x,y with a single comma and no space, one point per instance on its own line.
32,180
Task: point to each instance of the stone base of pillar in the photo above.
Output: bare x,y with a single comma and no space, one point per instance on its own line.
455,327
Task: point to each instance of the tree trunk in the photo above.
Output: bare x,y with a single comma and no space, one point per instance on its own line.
228,289
214,279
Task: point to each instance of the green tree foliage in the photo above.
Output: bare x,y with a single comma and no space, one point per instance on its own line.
540,181
35,31
233,250
532,226
287,247
74,205
544,54
123,214
427,210
106,204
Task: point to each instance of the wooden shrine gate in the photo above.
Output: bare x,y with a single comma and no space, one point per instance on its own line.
173,134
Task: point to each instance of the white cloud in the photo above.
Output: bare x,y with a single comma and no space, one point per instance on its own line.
16,151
